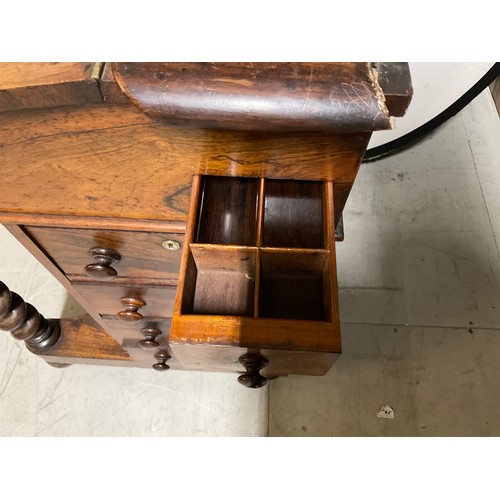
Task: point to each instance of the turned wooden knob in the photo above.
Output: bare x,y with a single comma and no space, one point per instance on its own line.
253,363
150,341
101,269
132,305
162,357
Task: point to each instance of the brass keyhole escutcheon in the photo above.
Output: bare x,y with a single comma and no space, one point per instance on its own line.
170,245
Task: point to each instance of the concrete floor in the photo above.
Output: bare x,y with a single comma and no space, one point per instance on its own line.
419,275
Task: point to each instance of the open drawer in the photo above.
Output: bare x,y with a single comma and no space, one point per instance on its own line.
258,274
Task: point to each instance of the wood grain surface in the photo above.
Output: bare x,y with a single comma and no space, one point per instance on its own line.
228,211
82,337
46,85
121,330
258,96
236,327
293,214
395,82
292,285
110,90
114,162
251,332
225,280
142,254
105,299
282,362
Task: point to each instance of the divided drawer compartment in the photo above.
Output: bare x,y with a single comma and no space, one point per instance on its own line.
261,213
258,283
258,266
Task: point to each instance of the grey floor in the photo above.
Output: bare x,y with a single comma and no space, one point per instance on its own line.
419,275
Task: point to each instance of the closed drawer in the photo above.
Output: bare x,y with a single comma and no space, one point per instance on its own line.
225,358
143,255
150,353
132,331
110,298
151,358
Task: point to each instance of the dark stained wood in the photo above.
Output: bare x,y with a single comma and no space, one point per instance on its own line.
150,335
255,332
109,161
109,324
146,357
228,211
28,243
110,90
330,292
395,81
187,275
293,214
258,96
260,223
224,358
220,327
292,285
115,163
225,280
162,357
121,330
294,155
25,323
106,174
284,362
70,221
35,126
100,269
142,254
339,230
45,85
159,300
83,338
341,193
131,312
253,363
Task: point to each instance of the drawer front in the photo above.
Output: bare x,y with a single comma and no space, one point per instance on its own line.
147,358
129,336
121,330
226,359
141,255
107,298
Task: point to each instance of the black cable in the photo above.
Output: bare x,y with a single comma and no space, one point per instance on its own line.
408,139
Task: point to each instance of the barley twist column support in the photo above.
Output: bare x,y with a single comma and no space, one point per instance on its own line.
25,323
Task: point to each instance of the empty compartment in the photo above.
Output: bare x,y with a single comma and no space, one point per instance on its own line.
220,281
295,285
228,211
293,214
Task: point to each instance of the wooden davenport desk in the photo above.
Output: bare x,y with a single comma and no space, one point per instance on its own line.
192,209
